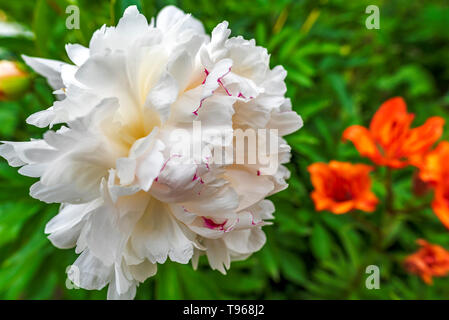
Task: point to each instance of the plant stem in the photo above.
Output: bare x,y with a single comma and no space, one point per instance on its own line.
40,98
369,226
389,186
412,209
112,11
388,206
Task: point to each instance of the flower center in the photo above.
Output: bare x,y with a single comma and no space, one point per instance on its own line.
342,190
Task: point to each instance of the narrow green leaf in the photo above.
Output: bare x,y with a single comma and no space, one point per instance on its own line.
320,242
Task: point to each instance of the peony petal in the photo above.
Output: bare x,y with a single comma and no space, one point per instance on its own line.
77,53
252,187
90,273
143,271
245,241
50,69
285,122
164,93
158,235
114,295
126,169
65,227
217,255
149,165
57,193
170,16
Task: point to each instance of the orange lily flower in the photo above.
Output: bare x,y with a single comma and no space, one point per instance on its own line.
390,141
429,261
341,187
434,169
440,203
420,187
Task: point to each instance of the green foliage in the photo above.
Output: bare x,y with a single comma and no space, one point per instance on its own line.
339,72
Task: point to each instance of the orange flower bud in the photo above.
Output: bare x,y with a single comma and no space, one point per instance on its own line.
14,80
341,187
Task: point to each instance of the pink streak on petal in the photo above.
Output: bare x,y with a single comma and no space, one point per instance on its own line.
207,73
165,164
232,226
207,163
195,112
211,224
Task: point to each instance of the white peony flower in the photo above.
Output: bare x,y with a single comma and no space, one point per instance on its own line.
128,201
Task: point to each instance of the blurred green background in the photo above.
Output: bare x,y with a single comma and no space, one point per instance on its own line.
339,72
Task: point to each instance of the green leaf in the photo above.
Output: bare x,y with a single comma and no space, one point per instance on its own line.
311,107
269,261
351,242
13,215
293,268
41,26
339,85
320,242
168,287
9,117
299,78
237,282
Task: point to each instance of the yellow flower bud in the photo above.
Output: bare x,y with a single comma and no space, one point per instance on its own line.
14,80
